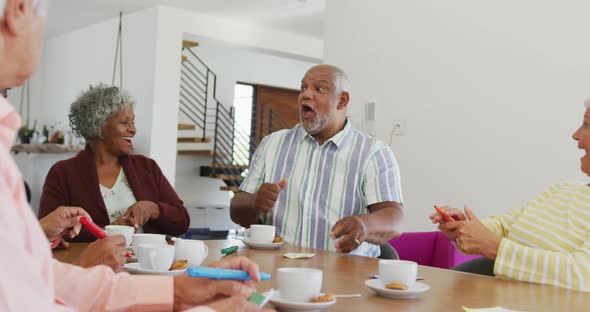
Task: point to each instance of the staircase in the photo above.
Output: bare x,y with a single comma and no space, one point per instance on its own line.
209,128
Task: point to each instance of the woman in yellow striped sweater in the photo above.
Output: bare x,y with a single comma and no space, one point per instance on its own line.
547,241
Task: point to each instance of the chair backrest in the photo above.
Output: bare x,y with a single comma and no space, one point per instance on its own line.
388,252
416,246
446,254
429,248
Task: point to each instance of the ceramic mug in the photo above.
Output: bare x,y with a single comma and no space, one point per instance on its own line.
194,251
126,231
299,284
260,233
157,257
143,238
398,271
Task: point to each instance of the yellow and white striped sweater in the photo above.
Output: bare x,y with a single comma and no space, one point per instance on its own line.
547,241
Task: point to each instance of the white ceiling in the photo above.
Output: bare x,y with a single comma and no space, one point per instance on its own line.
296,16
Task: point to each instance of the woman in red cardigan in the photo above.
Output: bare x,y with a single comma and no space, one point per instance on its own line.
106,180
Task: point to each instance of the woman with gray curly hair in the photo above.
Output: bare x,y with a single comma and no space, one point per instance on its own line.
111,184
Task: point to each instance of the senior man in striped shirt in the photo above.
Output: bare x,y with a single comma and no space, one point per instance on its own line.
323,184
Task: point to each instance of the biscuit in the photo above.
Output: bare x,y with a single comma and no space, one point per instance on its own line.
325,298
396,286
179,265
277,239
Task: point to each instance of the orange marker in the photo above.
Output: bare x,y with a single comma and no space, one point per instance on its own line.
443,214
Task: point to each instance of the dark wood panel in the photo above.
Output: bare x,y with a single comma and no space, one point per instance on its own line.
282,102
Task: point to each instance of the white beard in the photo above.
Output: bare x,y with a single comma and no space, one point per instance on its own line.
316,124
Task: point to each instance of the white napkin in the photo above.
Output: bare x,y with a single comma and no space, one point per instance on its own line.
295,255
492,309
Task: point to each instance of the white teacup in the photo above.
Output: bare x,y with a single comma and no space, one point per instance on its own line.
261,233
143,238
157,257
194,251
124,230
299,284
398,271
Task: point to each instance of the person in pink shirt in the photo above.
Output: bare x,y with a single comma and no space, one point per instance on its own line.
31,280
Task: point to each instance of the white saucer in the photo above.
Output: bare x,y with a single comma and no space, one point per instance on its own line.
257,245
133,268
416,290
284,305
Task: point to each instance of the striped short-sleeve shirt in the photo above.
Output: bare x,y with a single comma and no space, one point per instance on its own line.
326,182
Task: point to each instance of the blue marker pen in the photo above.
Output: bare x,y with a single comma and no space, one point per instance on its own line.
223,274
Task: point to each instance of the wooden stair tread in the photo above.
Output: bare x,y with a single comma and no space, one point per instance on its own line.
223,176
229,188
189,44
196,152
186,127
229,166
193,140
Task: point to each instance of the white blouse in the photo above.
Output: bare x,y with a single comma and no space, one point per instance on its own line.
118,198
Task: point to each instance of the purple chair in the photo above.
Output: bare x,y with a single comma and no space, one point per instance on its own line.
429,248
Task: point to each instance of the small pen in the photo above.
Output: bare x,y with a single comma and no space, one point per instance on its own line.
443,215
223,274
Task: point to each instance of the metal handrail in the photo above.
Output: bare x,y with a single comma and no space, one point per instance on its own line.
190,86
231,144
195,72
199,74
194,115
199,59
197,108
275,122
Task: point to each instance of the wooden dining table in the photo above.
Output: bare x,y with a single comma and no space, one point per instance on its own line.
346,274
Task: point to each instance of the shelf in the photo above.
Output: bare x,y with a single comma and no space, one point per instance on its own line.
47,148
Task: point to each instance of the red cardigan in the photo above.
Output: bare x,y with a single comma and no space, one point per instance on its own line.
74,182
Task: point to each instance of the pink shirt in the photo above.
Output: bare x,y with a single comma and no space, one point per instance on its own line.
31,280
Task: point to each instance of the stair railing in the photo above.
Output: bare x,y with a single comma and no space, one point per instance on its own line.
194,90
232,146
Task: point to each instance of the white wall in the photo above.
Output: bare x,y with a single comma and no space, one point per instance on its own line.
273,41
490,92
73,61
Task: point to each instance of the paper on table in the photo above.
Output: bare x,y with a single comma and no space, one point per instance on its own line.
492,309
295,255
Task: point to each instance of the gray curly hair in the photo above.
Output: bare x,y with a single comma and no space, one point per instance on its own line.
94,106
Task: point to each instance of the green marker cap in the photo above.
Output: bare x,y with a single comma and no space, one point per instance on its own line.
229,250
257,298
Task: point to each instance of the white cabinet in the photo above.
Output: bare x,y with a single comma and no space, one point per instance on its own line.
214,218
